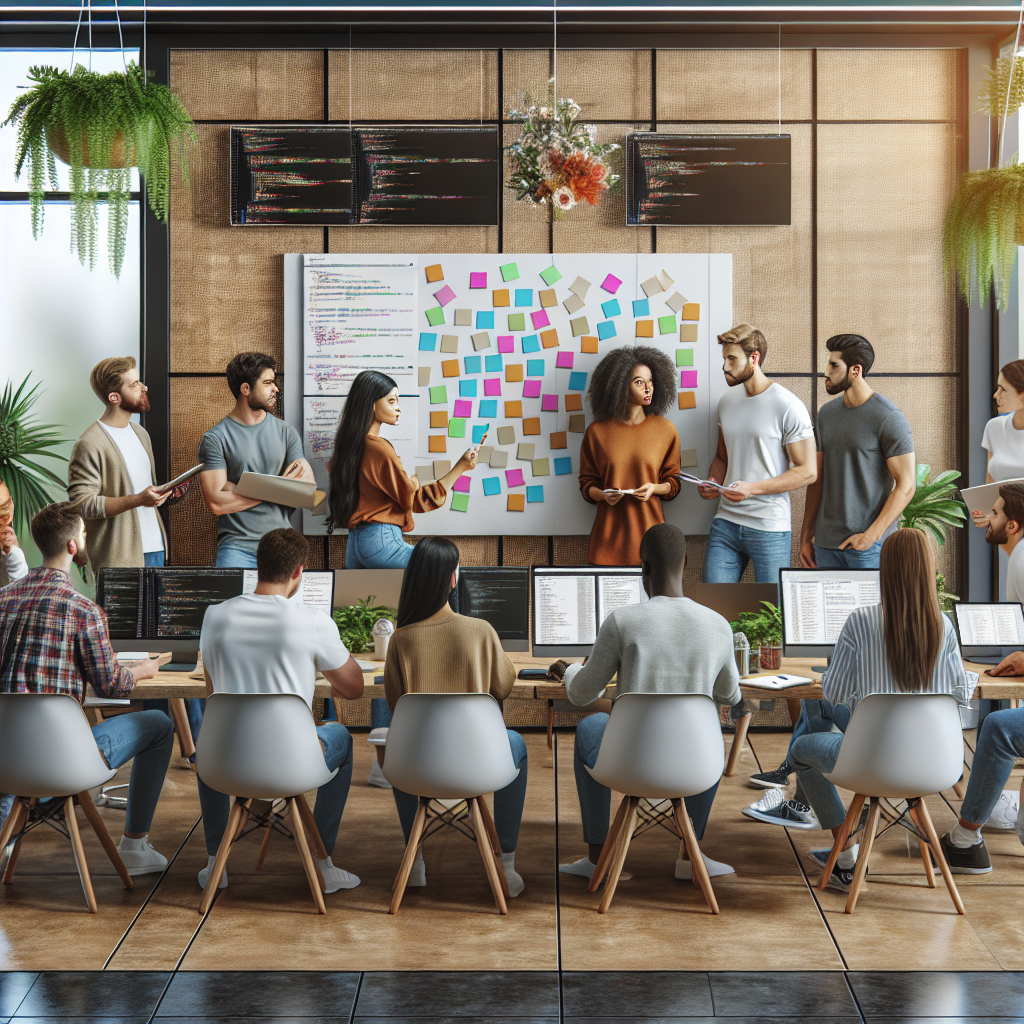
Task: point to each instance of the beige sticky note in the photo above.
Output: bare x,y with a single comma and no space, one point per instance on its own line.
687,400
438,419
463,318
688,458
423,376
484,454
541,467
573,304
437,443
651,287
675,302
579,326
577,423
498,459
425,474
525,452
645,328
441,466
506,435
481,340
665,281
449,343
531,426
559,439
574,402
691,311
513,373
434,273
688,333
547,298
580,287
516,503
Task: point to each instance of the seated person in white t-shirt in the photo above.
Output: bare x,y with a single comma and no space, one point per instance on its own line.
265,642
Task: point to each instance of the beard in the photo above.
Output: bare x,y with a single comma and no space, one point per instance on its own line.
267,405
742,378
994,536
139,405
837,389
81,556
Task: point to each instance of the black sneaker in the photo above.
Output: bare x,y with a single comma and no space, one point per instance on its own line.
776,779
973,860
789,813
821,856
841,879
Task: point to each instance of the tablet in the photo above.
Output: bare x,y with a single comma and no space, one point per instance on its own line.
187,475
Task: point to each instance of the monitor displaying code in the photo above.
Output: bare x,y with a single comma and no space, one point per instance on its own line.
990,625
181,598
816,603
501,596
120,593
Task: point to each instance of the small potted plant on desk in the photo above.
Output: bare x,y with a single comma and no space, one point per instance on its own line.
763,630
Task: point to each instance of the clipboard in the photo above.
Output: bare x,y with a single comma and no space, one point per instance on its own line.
981,498
280,490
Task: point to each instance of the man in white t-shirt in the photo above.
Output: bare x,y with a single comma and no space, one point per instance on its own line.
264,642
1005,528
765,450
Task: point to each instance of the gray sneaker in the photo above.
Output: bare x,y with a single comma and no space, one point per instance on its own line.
775,809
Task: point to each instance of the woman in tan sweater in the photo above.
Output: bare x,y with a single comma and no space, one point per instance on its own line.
434,650
629,446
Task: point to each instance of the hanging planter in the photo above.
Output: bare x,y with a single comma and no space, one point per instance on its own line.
101,126
557,161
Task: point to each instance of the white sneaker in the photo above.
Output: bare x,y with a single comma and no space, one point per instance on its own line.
139,856
204,875
515,881
775,809
1004,814
715,868
582,867
336,878
418,874
377,777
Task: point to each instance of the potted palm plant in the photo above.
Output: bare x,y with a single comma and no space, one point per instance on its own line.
101,125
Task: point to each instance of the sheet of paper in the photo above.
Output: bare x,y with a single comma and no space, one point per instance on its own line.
983,497
616,592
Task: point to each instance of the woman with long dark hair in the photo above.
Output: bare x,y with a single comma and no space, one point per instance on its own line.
371,494
629,446
434,650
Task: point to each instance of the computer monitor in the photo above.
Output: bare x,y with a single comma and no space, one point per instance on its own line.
815,604
989,631
316,588
571,602
501,595
730,600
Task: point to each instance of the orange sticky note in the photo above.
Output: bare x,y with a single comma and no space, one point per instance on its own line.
645,328
588,343
513,410
547,298
687,400
439,419
577,423
549,339
434,273
514,373
531,425
450,368
559,439
501,297
437,443
517,503
691,311
574,402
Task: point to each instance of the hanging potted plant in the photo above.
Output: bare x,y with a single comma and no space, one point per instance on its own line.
101,125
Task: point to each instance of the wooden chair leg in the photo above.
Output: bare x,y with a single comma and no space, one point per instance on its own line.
700,871
312,832
865,853
852,816
93,817
299,834
12,862
933,839
492,835
221,860
738,741
486,854
619,857
551,724
959,789
265,844
926,858
186,747
402,878
609,847
11,825
242,819
76,845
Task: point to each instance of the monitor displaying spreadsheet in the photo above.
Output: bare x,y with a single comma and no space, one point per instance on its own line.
316,588
989,625
815,604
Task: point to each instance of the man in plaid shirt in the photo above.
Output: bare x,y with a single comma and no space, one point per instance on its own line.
54,640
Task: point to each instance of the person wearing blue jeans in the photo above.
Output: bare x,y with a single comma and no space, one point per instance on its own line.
235,558
765,450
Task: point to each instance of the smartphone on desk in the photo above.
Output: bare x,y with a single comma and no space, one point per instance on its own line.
533,674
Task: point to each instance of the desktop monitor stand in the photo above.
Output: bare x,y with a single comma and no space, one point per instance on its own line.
820,668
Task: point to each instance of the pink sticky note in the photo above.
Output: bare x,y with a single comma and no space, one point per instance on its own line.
687,378
540,318
492,386
564,359
514,477
462,484
531,389
506,343
611,284
478,280
463,408
444,296
549,403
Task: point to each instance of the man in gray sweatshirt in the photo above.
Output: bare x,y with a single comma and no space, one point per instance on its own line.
669,644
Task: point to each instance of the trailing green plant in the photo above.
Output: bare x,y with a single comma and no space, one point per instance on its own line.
22,441
355,623
932,509
761,628
1005,77
946,599
99,120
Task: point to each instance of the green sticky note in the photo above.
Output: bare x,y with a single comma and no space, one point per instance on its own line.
456,427
439,395
435,316
509,272
460,501
550,276
667,324
684,357
517,321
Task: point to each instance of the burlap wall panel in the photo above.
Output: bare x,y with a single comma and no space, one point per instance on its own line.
476,550
696,547
882,196
226,283
524,224
412,239
409,85
571,550
336,550
771,265
250,85
887,85
802,387
524,551
733,85
609,85
315,558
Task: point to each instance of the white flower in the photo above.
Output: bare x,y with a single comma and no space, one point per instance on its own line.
563,198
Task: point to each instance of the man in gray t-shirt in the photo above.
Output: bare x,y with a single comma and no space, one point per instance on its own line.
249,439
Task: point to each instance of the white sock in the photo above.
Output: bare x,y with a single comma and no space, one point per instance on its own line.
204,875
418,874
848,858
515,881
715,868
963,838
584,867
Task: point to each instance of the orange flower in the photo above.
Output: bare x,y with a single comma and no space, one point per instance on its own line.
586,176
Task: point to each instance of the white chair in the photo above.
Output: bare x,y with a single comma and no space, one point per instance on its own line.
657,747
48,750
902,746
450,747
263,746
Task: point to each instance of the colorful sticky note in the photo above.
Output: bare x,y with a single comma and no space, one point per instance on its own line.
498,459
687,378
540,319
524,297
435,316
509,272
449,343
641,307
531,343
439,395
492,485
441,467
514,478
675,302
492,387
425,474
439,419
457,424
531,426
500,297
550,276
463,407
563,465
688,332
449,368
526,451
573,304
574,403
493,364
517,321
577,423
481,340
549,339
485,319
688,458
534,367
579,326
514,372
513,410
606,330
478,279
479,432
588,343
691,311
684,357
559,439
460,502
427,342
535,492
488,409
462,484
652,286
577,381
463,318
506,435
549,403
485,452
611,284
540,467
467,389
434,273
687,400
564,360
531,389
611,308
546,298
645,328
444,295
667,324
437,443
580,287
506,343
423,376
516,503
472,364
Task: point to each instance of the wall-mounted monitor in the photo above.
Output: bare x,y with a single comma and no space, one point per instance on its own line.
707,179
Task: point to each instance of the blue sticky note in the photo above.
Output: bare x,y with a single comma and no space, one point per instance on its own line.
488,409
493,364
577,381
535,492
605,329
467,389
479,430
472,364
641,307
530,343
534,367
492,485
485,320
428,342
611,307
524,296
563,466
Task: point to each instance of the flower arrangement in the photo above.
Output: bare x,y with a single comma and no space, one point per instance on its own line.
557,159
